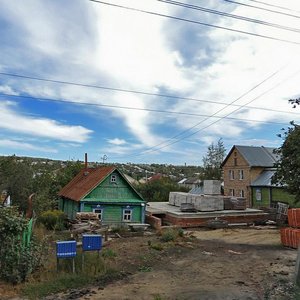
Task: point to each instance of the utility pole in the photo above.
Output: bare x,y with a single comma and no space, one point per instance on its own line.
104,158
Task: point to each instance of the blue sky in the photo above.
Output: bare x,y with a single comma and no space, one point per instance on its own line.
89,43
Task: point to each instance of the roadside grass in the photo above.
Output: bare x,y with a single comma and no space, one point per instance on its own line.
53,278
51,281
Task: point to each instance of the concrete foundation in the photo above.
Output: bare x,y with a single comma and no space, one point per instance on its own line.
170,214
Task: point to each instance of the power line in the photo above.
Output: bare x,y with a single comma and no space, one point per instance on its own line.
226,116
196,22
224,14
154,148
277,6
261,8
127,91
131,108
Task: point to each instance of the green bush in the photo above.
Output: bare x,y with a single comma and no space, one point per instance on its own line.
17,258
53,219
171,234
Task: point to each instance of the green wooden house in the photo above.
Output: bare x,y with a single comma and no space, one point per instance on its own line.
266,194
106,191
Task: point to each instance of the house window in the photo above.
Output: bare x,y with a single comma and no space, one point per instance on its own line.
231,192
231,174
113,178
235,161
99,211
127,215
258,194
241,174
242,193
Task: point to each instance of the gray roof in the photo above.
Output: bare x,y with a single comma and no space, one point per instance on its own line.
264,179
197,190
258,156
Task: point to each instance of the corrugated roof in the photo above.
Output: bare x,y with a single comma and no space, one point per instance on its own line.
84,182
264,179
256,156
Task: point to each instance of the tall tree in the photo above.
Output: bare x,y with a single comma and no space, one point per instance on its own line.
288,166
213,159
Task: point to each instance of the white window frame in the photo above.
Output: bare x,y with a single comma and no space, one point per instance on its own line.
241,174
242,193
231,174
113,178
231,192
258,194
99,211
127,214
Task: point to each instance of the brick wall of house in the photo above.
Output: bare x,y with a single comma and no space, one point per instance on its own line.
235,163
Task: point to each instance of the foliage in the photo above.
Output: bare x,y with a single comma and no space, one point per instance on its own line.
288,167
108,253
23,176
171,234
213,159
53,219
16,178
17,260
158,190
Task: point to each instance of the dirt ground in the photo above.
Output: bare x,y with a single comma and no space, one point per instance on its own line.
205,264
215,264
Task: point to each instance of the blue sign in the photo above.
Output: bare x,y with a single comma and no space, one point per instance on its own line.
65,249
91,242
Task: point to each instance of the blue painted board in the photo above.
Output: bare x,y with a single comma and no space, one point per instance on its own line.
65,249
91,242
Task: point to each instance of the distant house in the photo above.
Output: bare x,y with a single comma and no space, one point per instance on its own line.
106,191
242,166
190,183
266,194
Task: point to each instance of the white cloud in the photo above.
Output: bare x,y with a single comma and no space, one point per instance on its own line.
116,141
14,121
20,146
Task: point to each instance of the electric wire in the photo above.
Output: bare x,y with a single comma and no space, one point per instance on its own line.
126,91
171,140
223,117
224,14
130,108
196,22
264,9
276,6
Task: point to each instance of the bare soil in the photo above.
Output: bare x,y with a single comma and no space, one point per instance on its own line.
204,264
215,264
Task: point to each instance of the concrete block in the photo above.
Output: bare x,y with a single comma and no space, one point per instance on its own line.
212,187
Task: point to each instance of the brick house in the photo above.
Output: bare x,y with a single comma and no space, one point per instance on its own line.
242,166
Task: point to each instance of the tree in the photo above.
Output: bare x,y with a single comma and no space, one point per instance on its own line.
288,166
16,178
158,190
213,159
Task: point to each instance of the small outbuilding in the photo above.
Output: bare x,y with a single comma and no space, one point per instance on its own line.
105,191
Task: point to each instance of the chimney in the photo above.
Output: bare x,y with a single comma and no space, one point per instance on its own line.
85,161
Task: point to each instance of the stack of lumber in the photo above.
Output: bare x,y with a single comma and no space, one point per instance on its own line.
290,236
85,216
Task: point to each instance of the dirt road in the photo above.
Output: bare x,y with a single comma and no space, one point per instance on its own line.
218,264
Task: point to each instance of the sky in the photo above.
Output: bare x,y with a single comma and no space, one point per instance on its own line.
148,82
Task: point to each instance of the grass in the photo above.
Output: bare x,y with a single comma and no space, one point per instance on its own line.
57,284
50,281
